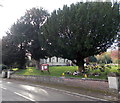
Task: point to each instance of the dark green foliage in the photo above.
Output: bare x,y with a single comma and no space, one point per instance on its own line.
11,53
2,67
92,59
105,59
25,38
34,19
81,30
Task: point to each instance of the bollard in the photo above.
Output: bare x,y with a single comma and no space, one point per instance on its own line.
4,74
114,81
8,74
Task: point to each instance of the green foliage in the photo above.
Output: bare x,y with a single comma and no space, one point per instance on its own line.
32,22
104,58
23,38
2,66
11,52
92,59
81,30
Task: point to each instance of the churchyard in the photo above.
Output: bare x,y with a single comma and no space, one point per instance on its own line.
91,71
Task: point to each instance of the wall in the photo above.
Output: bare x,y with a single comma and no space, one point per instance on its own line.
43,79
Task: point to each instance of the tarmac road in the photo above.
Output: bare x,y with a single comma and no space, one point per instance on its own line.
20,91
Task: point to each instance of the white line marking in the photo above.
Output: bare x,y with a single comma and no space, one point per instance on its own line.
77,94
24,96
3,88
70,93
8,82
73,93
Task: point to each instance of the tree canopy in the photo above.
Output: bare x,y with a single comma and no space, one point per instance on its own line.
11,53
25,34
81,30
34,19
92,59
104,58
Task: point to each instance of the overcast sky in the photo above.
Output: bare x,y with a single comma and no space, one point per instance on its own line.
14,9
11,10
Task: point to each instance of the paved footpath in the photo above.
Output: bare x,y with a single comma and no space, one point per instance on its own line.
92,84
97,88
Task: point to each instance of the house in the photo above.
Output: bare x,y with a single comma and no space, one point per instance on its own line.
55,61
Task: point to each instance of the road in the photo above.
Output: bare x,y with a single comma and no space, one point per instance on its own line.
21,91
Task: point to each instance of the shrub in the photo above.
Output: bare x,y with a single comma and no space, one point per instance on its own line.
2,67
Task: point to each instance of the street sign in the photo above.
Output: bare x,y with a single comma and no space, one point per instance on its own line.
44,67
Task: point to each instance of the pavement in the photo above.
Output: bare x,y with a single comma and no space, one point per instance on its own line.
96,88
88,83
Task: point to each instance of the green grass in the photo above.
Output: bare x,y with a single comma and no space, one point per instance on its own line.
58,70
54,70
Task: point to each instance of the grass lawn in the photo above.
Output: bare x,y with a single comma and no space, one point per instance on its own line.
54,70
58,70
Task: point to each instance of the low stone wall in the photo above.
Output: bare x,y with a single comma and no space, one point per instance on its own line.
84,83
43,79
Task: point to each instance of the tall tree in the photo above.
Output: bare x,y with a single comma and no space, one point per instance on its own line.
81,30
115,55
104,58
92,59
12,53
18,32
27,33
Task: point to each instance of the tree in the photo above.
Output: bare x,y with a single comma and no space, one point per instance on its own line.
104,58
26,33
18,33
92,59
12,53
115,56
81,30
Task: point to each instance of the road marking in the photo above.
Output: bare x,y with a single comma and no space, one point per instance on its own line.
3,88
8,82
24,96
77,95
73,93
67,92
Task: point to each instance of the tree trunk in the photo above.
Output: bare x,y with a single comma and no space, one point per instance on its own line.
37,64
22,67
80,64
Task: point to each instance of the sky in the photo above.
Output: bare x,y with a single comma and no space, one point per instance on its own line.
11,10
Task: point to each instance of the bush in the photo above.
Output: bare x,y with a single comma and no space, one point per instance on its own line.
2,67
